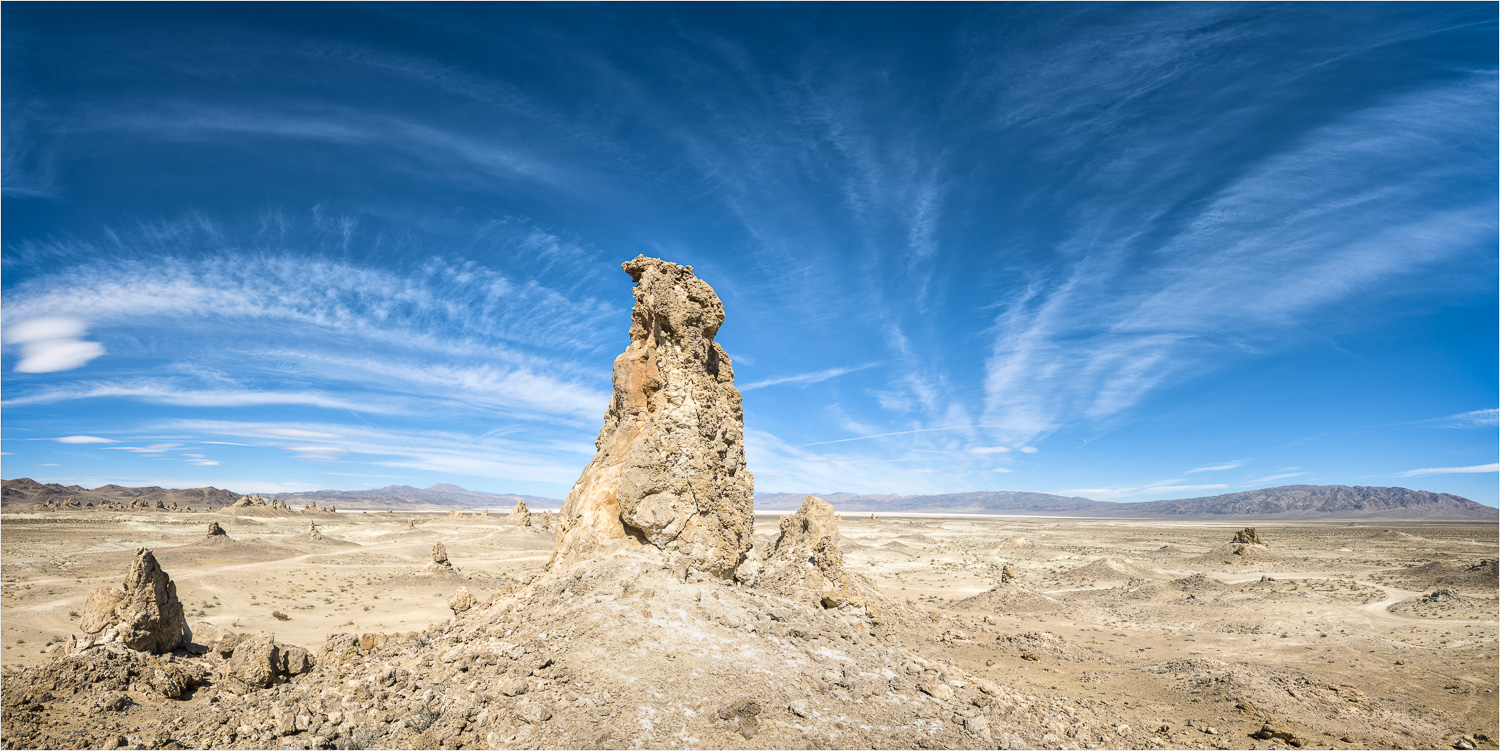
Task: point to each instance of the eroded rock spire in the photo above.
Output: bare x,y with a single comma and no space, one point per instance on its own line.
145,616
670,468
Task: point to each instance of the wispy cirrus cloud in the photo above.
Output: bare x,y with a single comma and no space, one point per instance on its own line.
1155,305
1478,418
157,391
527,457
1236,464
1469,470
805,379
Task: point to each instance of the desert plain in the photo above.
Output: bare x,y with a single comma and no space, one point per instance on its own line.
1097,633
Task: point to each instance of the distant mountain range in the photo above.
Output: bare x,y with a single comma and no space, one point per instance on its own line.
1289,502
27,490
406,496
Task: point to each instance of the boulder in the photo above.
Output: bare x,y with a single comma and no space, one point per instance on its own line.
215,532
670,467
461,600
145,616
258,661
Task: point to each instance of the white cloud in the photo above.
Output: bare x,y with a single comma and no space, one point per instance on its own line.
1479,418
1001,469
1237,463
84,439
527,457
155,448
52,343
1470,470
165,392
284,432
1183,488
804,379
1029,449
989,450
49,465
1138,303
1276,477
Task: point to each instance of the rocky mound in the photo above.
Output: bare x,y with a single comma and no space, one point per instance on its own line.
1447,604
1268,693
145,616
1198,583
614,651
1045,646
1479,576
1237,554
1112,570
1391,535
670,468
1009,595
216,534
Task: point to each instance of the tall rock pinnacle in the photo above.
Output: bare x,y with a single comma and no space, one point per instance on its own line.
146,616
670,468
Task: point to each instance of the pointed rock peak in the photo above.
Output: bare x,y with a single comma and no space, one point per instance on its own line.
146,616
214,530
439,554
810,536
670,468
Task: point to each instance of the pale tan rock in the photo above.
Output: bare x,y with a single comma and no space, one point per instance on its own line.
216,532
1247,536
146,616
806,555
440,564
258,661
461,600
520,515
670,468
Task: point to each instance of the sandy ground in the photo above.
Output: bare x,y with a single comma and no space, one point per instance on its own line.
1324,622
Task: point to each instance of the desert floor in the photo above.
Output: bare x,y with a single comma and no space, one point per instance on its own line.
1329,623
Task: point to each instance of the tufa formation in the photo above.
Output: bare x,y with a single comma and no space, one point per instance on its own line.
145,616
519,516
805,559
670,467
1247,536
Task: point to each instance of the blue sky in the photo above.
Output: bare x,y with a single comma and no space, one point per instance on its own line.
1124,251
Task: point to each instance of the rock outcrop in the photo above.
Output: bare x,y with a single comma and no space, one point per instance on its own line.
1248,536
461,600
805,559
145,616
440,565
670,468
215,533
519,516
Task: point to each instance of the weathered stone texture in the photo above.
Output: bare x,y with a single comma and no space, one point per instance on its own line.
670,468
